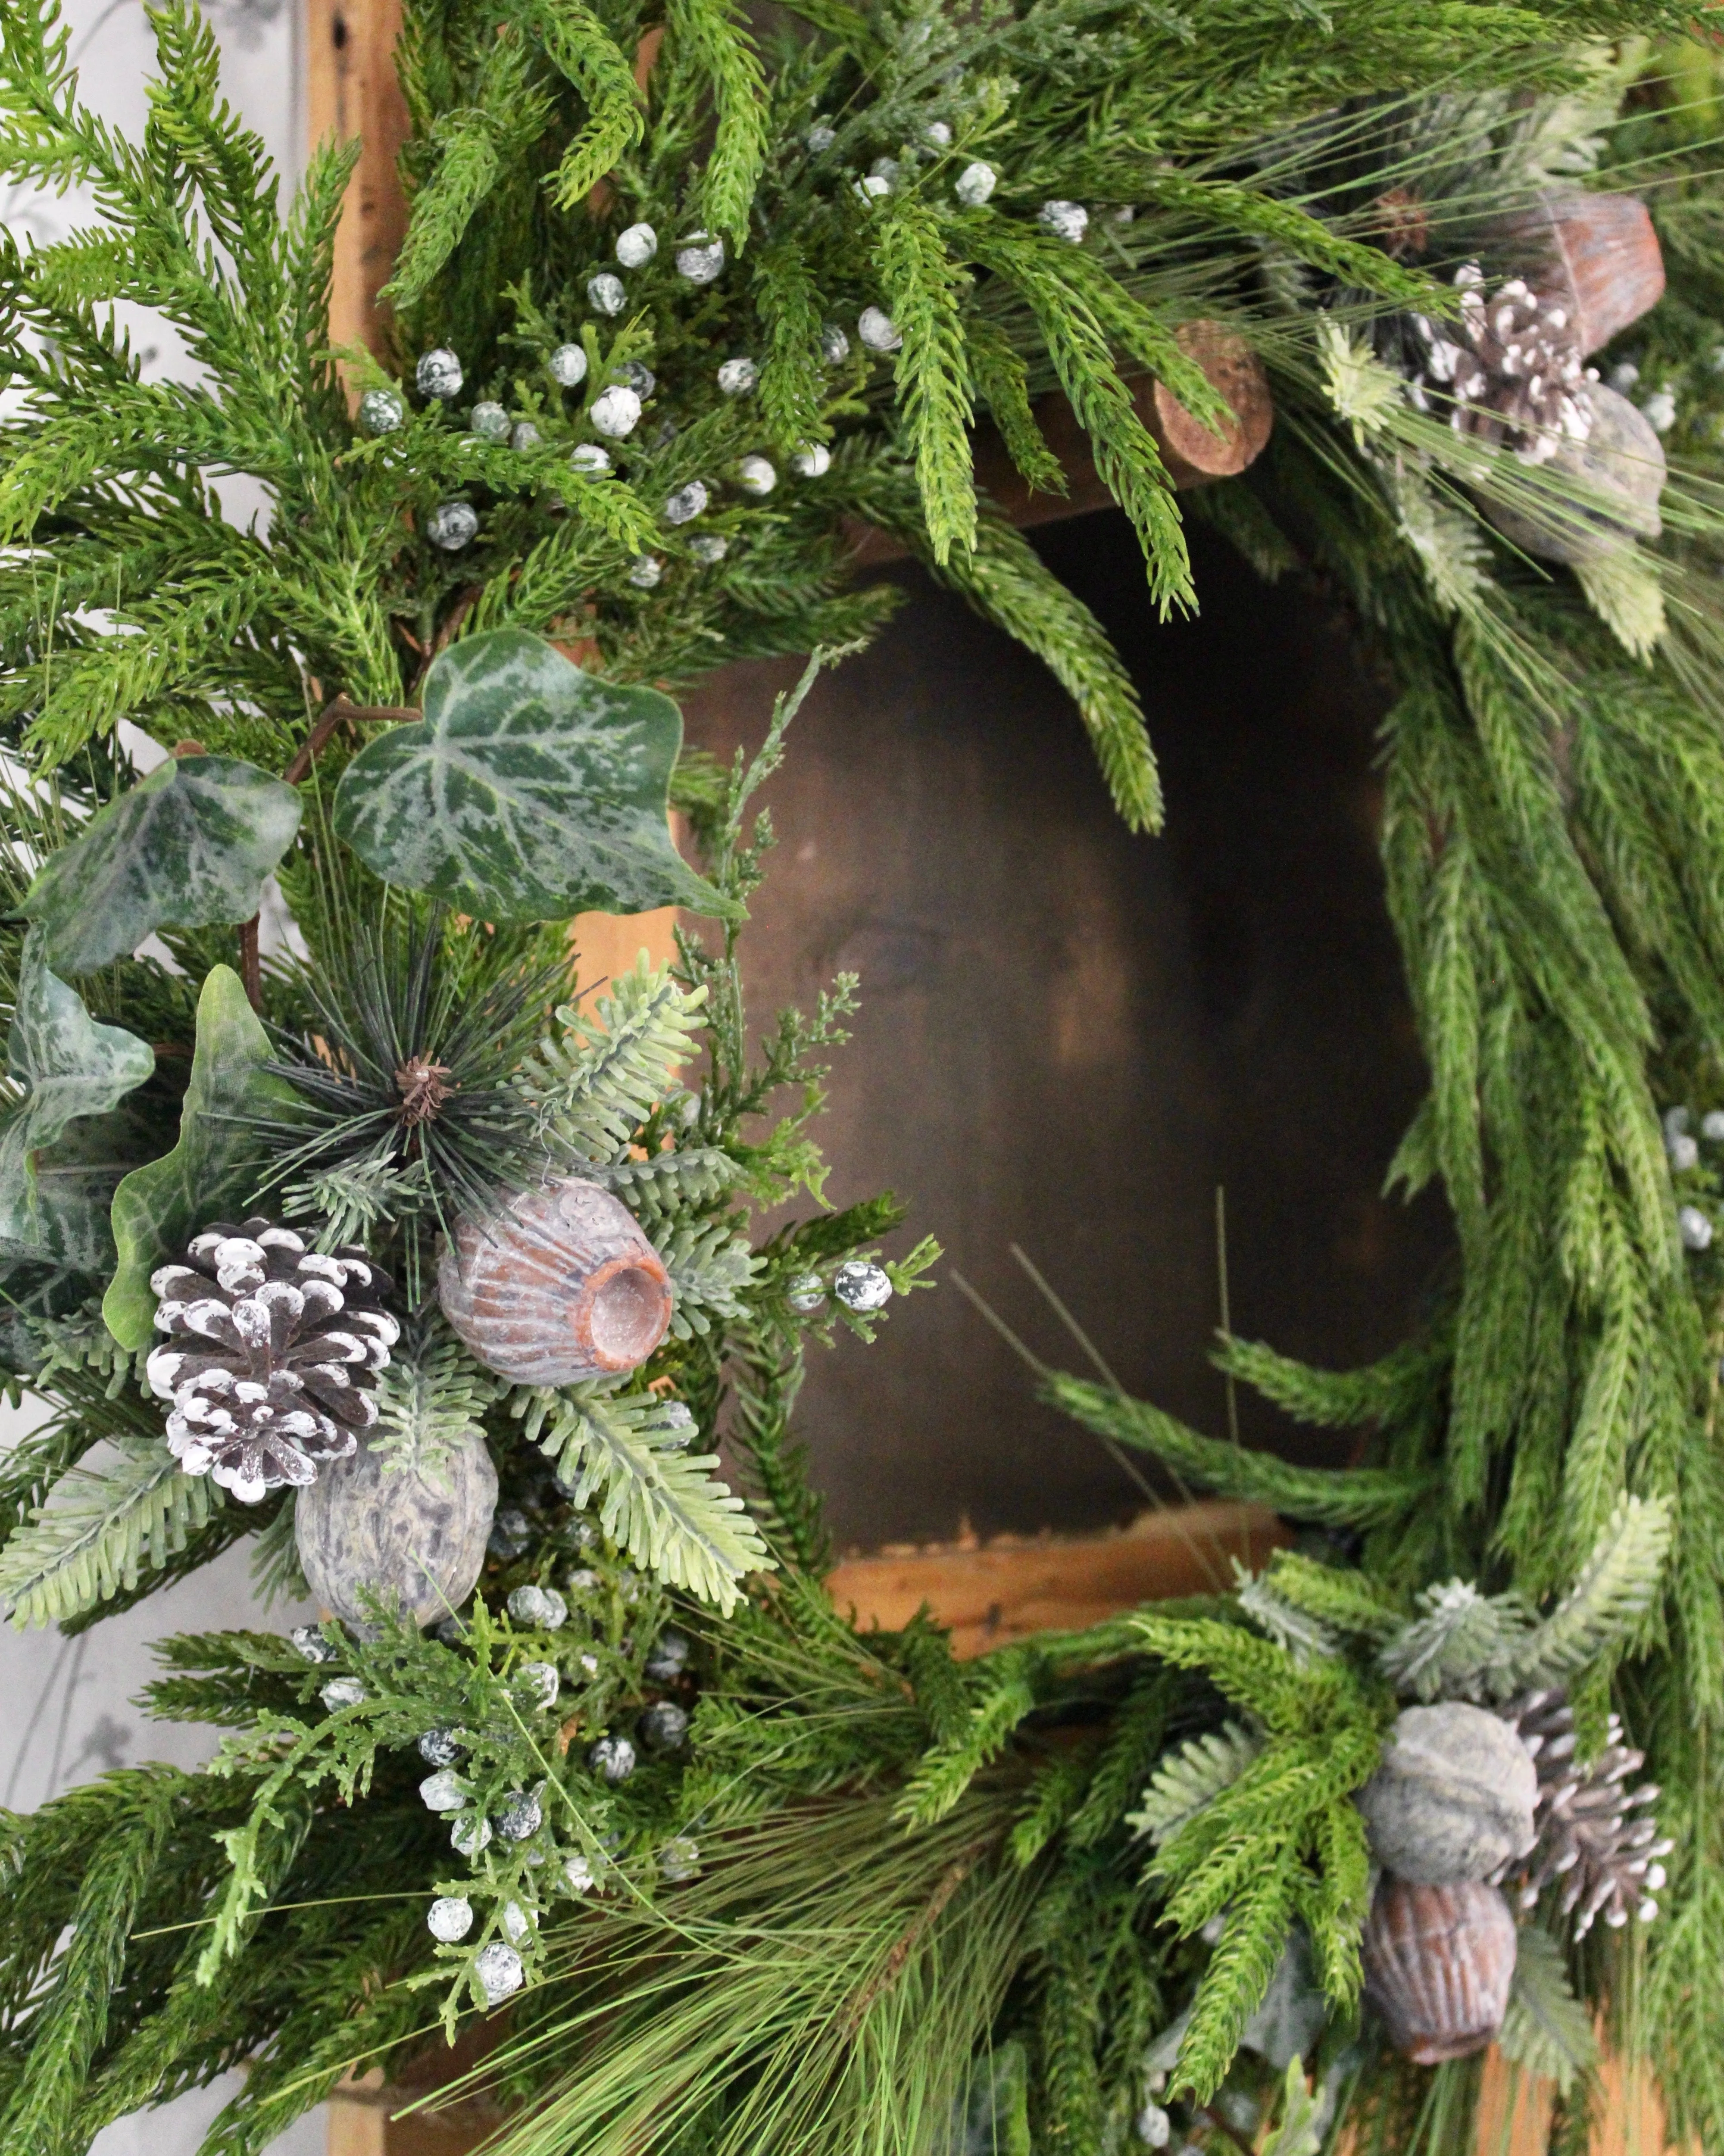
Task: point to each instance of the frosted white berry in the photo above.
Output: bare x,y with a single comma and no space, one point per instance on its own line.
975,184
878,330
452,525
813,460
606,294
699,259
616,411
450,1918
568,365
439,373
499,1970
756,476
737,376
637,246
1066,220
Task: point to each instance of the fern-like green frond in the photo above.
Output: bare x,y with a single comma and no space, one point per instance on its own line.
1188,1777
99,1530
592,1085
430,1397
709,1265
1547,2031
1619,1583
664,1506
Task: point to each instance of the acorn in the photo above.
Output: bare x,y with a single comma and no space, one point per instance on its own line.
1620,464
372,1526
557,1285
1438,1962
1452,1798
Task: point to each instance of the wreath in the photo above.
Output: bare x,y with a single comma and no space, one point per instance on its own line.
339,1211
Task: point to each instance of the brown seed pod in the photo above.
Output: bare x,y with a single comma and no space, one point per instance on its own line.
1438,1962
1599,252
557,1285
372,1526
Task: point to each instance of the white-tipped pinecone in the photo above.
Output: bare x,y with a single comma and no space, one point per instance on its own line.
1515,371
1597,1837
271,1347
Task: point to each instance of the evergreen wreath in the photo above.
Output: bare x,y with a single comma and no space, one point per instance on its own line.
429,1267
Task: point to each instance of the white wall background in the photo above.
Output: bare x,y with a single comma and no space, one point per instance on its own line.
71,1711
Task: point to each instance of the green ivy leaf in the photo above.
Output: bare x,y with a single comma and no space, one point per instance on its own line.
529,791
188,847
61,1150
220,1155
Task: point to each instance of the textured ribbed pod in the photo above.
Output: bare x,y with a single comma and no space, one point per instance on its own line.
418,1538
557,1285
1599,252
1438,1962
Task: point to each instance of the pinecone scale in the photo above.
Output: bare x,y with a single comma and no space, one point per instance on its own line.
1595,1835
271,1350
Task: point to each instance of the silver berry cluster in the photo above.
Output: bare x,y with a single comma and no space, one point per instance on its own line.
271,1349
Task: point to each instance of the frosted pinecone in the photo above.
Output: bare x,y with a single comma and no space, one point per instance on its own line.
1595,1835
1516,372
271,1349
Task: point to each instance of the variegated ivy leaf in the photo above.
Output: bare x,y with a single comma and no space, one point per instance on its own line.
61,1151
188,847
213,1170
530,790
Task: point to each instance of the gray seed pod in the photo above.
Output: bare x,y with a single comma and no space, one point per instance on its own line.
606,294
737,376
438,1748
308,1642
670,1655
616,411
342,1691
1453,1796
699,259
490,421
687,503
366,1526
1067,220
611,1758
708,548
878,330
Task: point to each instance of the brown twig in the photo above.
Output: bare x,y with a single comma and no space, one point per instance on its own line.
251,969
339,713
908,1940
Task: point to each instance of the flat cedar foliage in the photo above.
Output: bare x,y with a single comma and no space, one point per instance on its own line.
867,1898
